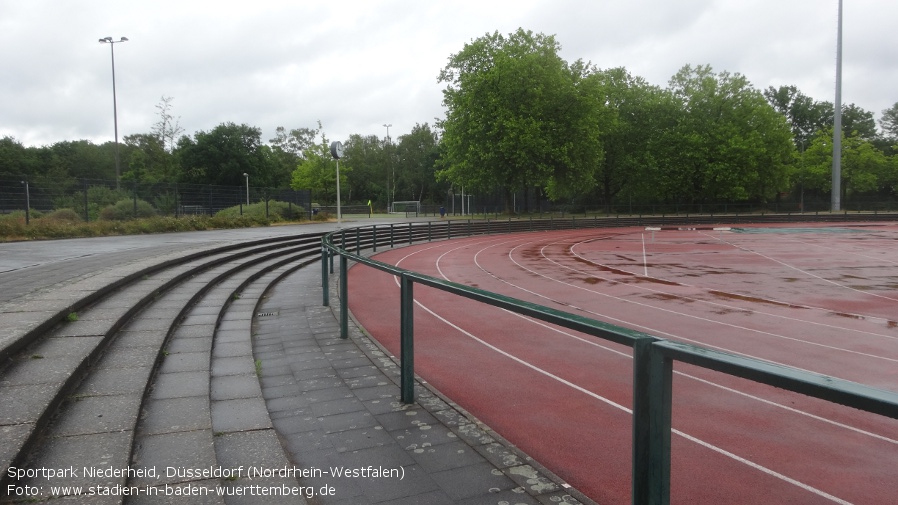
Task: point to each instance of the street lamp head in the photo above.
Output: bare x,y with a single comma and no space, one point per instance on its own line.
245,174
123,39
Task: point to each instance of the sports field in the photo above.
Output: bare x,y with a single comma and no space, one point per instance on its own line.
818,298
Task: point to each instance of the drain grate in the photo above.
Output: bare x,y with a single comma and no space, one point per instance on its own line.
266,314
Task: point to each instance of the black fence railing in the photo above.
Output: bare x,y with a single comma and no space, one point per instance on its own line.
87,197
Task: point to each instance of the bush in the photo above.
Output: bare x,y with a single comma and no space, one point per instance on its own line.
64,215
124,210
277,211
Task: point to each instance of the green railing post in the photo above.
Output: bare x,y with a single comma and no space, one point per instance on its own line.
652,377
324,278
344,297
330,256
407,340
374,238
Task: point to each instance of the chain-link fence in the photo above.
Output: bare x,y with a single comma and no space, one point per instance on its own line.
89,198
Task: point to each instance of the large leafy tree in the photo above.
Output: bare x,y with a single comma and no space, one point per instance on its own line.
729,143
513,116
415,159
889,124
805,115
371,174
223,154
318,171
632,120
864,168
148,160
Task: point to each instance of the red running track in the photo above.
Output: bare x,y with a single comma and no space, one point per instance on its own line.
818,298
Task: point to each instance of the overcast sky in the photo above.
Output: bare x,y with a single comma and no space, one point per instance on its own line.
356,66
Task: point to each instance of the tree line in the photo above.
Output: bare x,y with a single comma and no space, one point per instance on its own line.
520,120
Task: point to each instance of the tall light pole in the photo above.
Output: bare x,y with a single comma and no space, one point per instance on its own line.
112,43
836,197
389,162
247,187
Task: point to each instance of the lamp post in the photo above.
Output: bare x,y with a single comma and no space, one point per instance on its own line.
389,162
108,40
836,197
247,187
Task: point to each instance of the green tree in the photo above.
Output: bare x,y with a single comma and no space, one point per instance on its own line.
416,156
318,172
864,167
806,117
149,157
889,124
224,154
514,117
632,121
371,168
729,144
168,128
287,150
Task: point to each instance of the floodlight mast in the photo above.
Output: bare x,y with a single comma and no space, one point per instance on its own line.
108,40
836,198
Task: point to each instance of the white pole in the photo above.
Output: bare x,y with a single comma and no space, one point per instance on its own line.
837,124
339,215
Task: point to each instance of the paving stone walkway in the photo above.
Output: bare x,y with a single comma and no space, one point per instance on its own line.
335,405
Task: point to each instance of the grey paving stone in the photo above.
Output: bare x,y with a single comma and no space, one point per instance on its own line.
239,415
169,415
99,414
259,448
178,345
100,451
200,330
232,366
130,357
180,384
181,450
115,381
473,480
185,361
230,387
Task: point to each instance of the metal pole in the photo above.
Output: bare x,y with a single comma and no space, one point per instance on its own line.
339,215
652,377
837,124
108,40
344,296
407,340
325,289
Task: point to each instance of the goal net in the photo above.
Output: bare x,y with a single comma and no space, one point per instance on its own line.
408,207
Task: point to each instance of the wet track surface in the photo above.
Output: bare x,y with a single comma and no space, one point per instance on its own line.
823,299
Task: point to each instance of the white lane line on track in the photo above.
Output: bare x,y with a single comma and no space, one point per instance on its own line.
616,405
645,263
651,330
713,384
805,272
717,304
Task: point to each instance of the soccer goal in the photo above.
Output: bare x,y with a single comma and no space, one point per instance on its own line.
409,207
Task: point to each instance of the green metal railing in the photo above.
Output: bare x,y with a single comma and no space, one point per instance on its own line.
653,357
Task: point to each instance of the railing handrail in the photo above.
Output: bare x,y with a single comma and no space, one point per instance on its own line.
653,356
